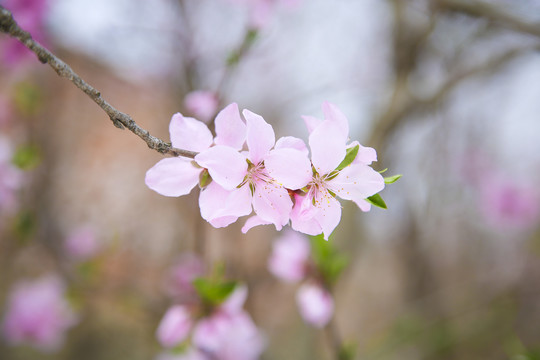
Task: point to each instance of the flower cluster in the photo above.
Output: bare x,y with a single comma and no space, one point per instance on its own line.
274,178
289,261
226,333
38,314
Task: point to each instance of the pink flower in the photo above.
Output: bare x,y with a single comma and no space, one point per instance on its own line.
201,104
270,200
81,244
509,204
315,304
226,166
38,314
187,268
174,327
290,254
318,210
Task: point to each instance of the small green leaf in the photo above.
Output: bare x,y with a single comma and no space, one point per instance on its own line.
213,292
392,179
26,157
377,200
383,171
349,157
204,179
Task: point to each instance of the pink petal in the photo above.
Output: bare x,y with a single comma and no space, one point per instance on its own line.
260,136
311,122
332,113
293,143
303,216
174,327
230,129
221,207
328,147
315,304
272,203
289,167
329,214
363,205
357,182
236,300
189,134
172,177
365,156
226,166
252,222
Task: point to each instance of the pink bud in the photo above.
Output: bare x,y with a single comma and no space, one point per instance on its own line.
289,257
201,104
38,314
174,327
315,304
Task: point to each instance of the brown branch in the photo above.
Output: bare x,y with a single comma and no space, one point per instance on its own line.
490,12
121,120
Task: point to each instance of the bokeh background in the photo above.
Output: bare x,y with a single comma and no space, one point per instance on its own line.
447,91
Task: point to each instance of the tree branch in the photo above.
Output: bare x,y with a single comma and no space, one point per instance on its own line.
491,12
121,120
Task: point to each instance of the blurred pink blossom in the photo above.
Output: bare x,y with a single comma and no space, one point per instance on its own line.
181,275
229,336
81,244
30,15
174,326
315,304
510,204
38,314
289,258
201,104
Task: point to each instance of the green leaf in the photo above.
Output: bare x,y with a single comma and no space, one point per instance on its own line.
213,292
392,179
349,157
377,200
383,171
204,179
26,157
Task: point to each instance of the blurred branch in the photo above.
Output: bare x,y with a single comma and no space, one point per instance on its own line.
392,120
491,12
121,120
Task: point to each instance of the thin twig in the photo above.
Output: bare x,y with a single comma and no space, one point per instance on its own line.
490,12
121,120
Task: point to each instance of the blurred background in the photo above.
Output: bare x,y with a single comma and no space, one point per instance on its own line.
447,91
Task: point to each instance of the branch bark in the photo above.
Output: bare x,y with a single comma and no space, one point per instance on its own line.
121,120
